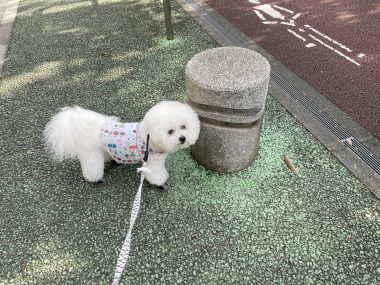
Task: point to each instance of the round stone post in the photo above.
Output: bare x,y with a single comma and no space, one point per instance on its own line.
227,87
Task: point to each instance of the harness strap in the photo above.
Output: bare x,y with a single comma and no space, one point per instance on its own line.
146,154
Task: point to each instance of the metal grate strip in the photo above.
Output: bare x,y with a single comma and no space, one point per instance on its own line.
213,22
317,113
312,108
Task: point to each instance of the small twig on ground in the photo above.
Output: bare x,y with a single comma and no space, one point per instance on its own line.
23,264
291,165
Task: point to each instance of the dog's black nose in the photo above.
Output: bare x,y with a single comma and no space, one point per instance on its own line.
182,139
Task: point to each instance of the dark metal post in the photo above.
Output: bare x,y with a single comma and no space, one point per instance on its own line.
168,20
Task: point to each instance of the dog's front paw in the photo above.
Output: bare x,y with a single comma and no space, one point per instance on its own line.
164,187
99,183
101,180
157,177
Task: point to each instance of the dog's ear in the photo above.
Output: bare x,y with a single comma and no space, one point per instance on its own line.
145,129
156,138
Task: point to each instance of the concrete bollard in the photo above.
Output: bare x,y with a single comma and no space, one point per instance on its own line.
227,87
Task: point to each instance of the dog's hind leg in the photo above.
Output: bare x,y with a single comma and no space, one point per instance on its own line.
92,164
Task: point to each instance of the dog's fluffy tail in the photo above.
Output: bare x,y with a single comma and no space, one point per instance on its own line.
74,130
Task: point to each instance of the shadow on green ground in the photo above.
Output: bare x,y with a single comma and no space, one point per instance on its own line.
260,226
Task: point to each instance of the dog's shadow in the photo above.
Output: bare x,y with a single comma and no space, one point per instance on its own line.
113,169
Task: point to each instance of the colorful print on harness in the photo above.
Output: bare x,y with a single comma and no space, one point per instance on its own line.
123,143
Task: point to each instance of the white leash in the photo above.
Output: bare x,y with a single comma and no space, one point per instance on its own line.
124,252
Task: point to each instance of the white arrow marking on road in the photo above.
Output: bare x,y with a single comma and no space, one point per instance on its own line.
283,9
288,24
266,8
309,45
260,15
275,14
296,16
297,35
336,51
329,39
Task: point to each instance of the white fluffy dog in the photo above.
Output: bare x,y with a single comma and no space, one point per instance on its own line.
94,138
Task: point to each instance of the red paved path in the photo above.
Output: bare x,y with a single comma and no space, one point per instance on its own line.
355,24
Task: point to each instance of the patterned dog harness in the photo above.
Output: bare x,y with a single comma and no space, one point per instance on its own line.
123,143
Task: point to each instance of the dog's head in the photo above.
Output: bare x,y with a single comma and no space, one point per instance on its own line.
171,126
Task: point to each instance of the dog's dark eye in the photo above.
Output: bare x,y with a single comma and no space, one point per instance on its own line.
183,127
170,132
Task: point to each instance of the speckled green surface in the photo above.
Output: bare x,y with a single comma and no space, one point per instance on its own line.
260,226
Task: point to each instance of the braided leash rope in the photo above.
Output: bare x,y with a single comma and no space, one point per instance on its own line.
125,249
124,252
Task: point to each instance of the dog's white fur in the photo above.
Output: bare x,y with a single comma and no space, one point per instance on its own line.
75,133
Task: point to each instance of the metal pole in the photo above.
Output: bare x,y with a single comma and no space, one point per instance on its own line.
168,20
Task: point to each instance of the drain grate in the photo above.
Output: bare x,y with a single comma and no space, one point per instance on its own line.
330,124
317,113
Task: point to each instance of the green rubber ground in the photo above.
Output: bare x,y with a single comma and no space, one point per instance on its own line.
262,225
